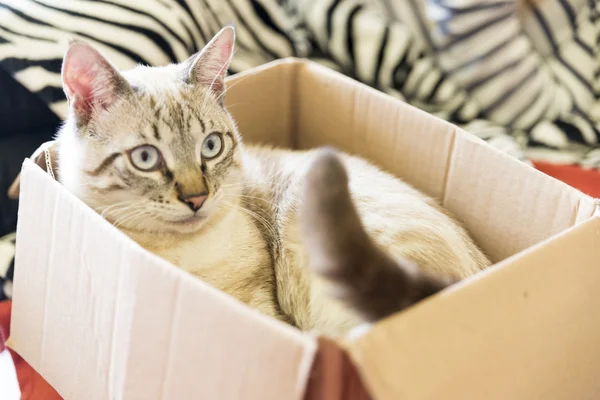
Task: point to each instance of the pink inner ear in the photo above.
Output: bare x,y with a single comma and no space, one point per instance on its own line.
80,85
225,46
212,64
88,78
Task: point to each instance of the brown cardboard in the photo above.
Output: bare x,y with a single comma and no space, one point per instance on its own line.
106,319
515,206
101,318
527,328
334,110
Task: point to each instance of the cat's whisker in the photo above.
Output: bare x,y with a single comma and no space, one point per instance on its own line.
272,179
124,213
218,75
246,196
115,204
270,228
104,214
230,106
242,185
117,207
121,217
251,213
254,215
228,88
107,210
261,199
268,178
217,99
135,214
137,219
126,210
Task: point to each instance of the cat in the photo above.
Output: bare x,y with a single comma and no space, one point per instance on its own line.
319,239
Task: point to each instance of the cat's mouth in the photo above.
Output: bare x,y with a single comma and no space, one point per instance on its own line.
190,221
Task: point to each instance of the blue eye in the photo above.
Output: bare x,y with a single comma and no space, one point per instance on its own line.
212,146
145,157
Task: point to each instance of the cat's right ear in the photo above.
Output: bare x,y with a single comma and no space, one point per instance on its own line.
90,82
209,67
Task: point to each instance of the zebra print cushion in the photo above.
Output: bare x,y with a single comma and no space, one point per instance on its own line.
532,66
7,264
522,74
34,35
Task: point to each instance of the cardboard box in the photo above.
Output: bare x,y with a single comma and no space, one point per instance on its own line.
100,318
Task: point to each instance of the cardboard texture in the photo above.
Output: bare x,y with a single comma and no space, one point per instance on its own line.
99,317
122,323
525,329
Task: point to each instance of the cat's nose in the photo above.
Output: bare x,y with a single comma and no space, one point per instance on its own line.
195,201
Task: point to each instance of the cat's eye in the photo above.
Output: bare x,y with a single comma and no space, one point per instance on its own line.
212,146
145,157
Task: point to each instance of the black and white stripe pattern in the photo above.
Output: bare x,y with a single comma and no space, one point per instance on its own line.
523,75
34,35
392,56
530,67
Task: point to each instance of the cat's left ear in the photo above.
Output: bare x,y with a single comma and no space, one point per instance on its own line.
90,81
209,67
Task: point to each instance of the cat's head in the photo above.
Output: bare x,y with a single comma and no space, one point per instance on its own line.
152,149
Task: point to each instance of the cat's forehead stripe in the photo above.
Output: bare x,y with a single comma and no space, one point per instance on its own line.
177,118
110,188
104,164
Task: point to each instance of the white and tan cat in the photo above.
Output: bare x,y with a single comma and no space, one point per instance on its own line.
157,154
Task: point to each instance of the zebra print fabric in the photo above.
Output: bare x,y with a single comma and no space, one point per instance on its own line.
34,35
523,75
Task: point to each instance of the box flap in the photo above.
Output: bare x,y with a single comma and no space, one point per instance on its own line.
262,102
507,205
524,329
99,317
337,111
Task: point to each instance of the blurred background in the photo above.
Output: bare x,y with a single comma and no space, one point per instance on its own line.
524,75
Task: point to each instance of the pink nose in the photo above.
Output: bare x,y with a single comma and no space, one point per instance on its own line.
194,202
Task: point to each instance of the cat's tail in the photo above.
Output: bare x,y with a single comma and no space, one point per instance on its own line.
361,275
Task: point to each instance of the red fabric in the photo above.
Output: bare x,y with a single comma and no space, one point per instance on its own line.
588,181
33,386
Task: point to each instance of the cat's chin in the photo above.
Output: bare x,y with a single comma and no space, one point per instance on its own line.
162,226
187,225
